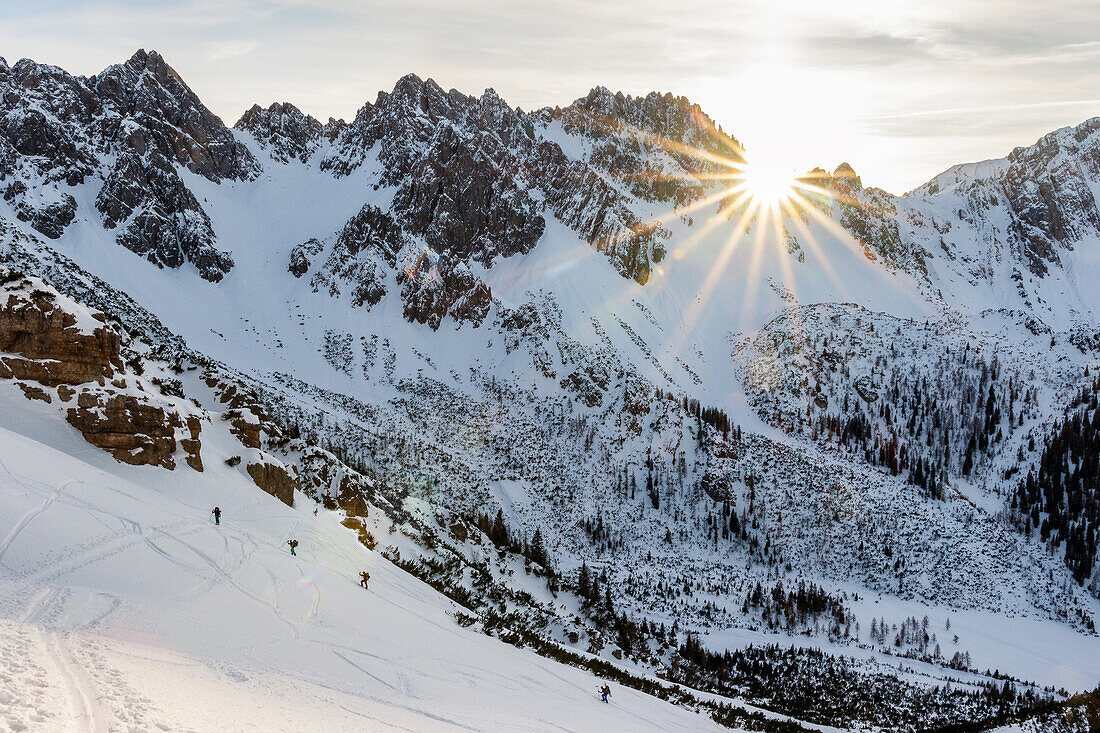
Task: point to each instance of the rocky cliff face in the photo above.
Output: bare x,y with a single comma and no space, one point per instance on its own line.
67,351
42,342
275,480
283,130
460,197
1043,192
133,429
870,215
131,127
172,120
324,478
1003,225
658,146
475,179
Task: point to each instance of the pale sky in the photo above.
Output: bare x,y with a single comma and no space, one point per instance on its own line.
901,90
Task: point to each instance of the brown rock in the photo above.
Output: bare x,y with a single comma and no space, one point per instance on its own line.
35,393
275,480
247,432
192,447
65,393
354,506
133,431
47,348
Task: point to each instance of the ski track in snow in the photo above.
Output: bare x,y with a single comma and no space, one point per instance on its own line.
30,517
144,607
82,698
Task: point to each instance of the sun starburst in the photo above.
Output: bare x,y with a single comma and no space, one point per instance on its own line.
769,184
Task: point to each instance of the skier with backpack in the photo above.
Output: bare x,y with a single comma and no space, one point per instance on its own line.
217,515
363,578
605,692
293,544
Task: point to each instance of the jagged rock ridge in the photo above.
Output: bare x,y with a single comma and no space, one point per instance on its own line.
130,126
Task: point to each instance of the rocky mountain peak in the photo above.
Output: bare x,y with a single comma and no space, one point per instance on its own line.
493,111
410,90
663,115
415,104
282,129
155,64
131,126
845,174
598,99
1079,144
176,122
1041,197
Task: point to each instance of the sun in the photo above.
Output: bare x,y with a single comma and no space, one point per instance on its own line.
768,183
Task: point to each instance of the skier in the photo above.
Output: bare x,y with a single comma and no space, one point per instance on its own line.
605,692
293,544
217,515
363,578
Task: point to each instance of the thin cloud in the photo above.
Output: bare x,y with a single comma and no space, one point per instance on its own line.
855,80
985,109
230,49
875,50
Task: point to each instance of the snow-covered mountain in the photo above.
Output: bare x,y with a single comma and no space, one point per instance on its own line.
700,408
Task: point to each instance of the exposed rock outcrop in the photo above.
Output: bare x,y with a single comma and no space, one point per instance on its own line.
247,431
436,287
1039,200
362,261
51,340
1049,195
131,429
35,393
45,343
324,478
659,146
161,219
275,480
246,415
192,446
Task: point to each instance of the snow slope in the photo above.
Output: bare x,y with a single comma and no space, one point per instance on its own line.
122,607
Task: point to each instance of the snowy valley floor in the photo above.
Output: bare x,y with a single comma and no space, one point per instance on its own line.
123,607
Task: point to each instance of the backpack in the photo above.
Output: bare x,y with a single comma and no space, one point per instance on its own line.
293,543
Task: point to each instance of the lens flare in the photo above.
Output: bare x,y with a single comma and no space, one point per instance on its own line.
768,183
770,207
